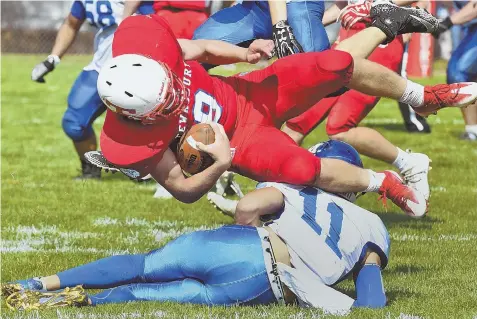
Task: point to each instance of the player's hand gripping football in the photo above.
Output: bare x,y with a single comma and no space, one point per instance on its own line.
259,49
41,69
284,39
354,13
220,149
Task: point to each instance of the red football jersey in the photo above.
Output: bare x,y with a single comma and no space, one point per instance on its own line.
197,5
129,143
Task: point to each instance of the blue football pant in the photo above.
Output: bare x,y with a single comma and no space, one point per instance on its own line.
224,266
462,65
84,106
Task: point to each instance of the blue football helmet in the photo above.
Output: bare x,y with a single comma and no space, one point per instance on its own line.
342,151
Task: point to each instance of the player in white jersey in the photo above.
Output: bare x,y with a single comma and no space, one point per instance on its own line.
84,103
314,240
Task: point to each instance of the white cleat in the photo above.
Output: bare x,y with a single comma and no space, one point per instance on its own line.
225,182
416,175
224,205
162,193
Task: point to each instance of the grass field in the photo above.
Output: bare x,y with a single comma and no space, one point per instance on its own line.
50,222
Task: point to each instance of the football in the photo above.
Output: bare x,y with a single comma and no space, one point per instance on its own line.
191,160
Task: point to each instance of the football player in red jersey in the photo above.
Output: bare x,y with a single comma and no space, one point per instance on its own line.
346,111
153,96
184,17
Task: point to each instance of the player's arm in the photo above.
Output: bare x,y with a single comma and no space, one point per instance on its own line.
464,15
169,174
467,13
64,38
218,52
331,14
130,7
263,201
282,34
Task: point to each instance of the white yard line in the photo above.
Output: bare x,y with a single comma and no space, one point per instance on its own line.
442,237
23,239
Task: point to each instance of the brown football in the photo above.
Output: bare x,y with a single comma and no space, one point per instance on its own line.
191,160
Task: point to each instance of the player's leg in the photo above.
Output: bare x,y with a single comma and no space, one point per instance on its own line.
300,126
222,266
413,122
305,18
273,156
369,78
462,67
84,106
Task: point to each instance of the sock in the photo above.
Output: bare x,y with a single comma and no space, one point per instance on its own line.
413,95
104,273
471,128
402,160
375,181
34,283
369,287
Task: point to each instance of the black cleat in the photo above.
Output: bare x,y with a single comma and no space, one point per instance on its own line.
414,122
469,136
97,159
89,171
394,20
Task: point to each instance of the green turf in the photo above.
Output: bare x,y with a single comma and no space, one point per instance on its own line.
50,222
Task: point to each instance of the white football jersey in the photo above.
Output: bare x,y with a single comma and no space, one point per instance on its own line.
105,15
327,236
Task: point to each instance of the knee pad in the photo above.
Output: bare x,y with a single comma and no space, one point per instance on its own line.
301,170
74,128
337,61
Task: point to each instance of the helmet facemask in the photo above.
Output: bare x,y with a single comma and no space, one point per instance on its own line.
174,101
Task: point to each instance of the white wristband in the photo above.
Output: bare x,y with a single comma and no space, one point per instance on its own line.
54,59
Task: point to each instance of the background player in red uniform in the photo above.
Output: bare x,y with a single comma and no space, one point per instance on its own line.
250,107
346,111
182,16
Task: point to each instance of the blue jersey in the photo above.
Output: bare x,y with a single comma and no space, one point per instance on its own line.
98,13
105,16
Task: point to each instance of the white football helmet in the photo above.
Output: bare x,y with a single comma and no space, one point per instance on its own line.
141,88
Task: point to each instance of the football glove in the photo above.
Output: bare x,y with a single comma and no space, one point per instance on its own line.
353,13
444,25
43,68
284,40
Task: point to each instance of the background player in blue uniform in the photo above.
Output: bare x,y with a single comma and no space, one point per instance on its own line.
84,104
462,65
295,26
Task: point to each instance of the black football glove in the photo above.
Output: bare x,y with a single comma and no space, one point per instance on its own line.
43,68
284,40
444,25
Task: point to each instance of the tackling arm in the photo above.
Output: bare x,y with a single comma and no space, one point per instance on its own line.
278,11
218,52
263,201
